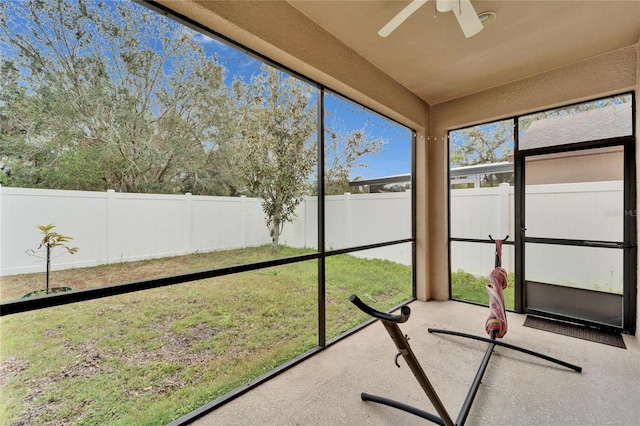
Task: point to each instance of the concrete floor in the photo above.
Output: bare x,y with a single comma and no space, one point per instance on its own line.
517,389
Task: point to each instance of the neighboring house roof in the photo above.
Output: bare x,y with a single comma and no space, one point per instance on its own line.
600,123
386,180
502,167
385,184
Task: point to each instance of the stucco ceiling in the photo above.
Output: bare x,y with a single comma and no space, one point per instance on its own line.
430,56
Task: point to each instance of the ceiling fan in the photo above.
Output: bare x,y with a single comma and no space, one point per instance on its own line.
463,9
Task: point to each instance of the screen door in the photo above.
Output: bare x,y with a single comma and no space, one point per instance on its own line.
574,254
577,214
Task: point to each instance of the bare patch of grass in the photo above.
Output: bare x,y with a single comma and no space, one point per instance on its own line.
15,286
151,357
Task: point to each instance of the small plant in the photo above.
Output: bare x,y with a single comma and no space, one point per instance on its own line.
50,241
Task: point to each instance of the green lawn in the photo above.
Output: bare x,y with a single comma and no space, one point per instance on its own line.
465,286
150,357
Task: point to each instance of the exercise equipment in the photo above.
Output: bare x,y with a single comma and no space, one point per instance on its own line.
496,327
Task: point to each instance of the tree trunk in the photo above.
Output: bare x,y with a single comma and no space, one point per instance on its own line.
275,235
48,265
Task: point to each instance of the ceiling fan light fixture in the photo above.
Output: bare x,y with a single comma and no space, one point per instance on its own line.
486,17
464,12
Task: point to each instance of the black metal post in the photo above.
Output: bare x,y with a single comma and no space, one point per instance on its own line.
322,286
405,349
402,406
507,345
473,390
390,323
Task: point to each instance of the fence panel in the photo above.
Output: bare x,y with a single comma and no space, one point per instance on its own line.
111,227
218,222
590,210
78,214
146,226
583,210
303,232
116,227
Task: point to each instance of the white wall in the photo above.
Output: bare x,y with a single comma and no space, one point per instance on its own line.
82,215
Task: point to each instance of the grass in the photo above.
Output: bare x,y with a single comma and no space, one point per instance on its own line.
14,287
466,286
147,358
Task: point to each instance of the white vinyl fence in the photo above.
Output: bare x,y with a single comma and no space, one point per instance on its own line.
112,227
115,227
591,211
477,213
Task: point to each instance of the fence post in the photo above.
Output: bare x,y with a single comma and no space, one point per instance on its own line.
347,219
243,239
111,225
303,226
188,223
503,213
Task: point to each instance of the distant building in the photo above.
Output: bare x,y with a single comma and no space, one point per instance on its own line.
397,183
592,165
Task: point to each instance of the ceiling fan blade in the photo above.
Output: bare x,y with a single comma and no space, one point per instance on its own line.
468,18
401,17
446,5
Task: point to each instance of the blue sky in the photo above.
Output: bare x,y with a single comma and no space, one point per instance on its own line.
395,156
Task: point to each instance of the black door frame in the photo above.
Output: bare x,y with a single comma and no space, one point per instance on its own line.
629,245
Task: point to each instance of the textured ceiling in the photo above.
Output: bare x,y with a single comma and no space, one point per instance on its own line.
430,56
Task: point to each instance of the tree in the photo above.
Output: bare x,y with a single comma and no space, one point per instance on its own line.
13,147
110,96
484,144
278,123
344,151
50,241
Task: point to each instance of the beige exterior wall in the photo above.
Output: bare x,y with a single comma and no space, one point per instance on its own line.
604,75
590,167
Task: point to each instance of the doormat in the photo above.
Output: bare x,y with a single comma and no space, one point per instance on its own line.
585,333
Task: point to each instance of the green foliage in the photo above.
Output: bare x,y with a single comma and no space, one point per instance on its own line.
52,239
96,97
483,144
114,98
344,150
278,125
